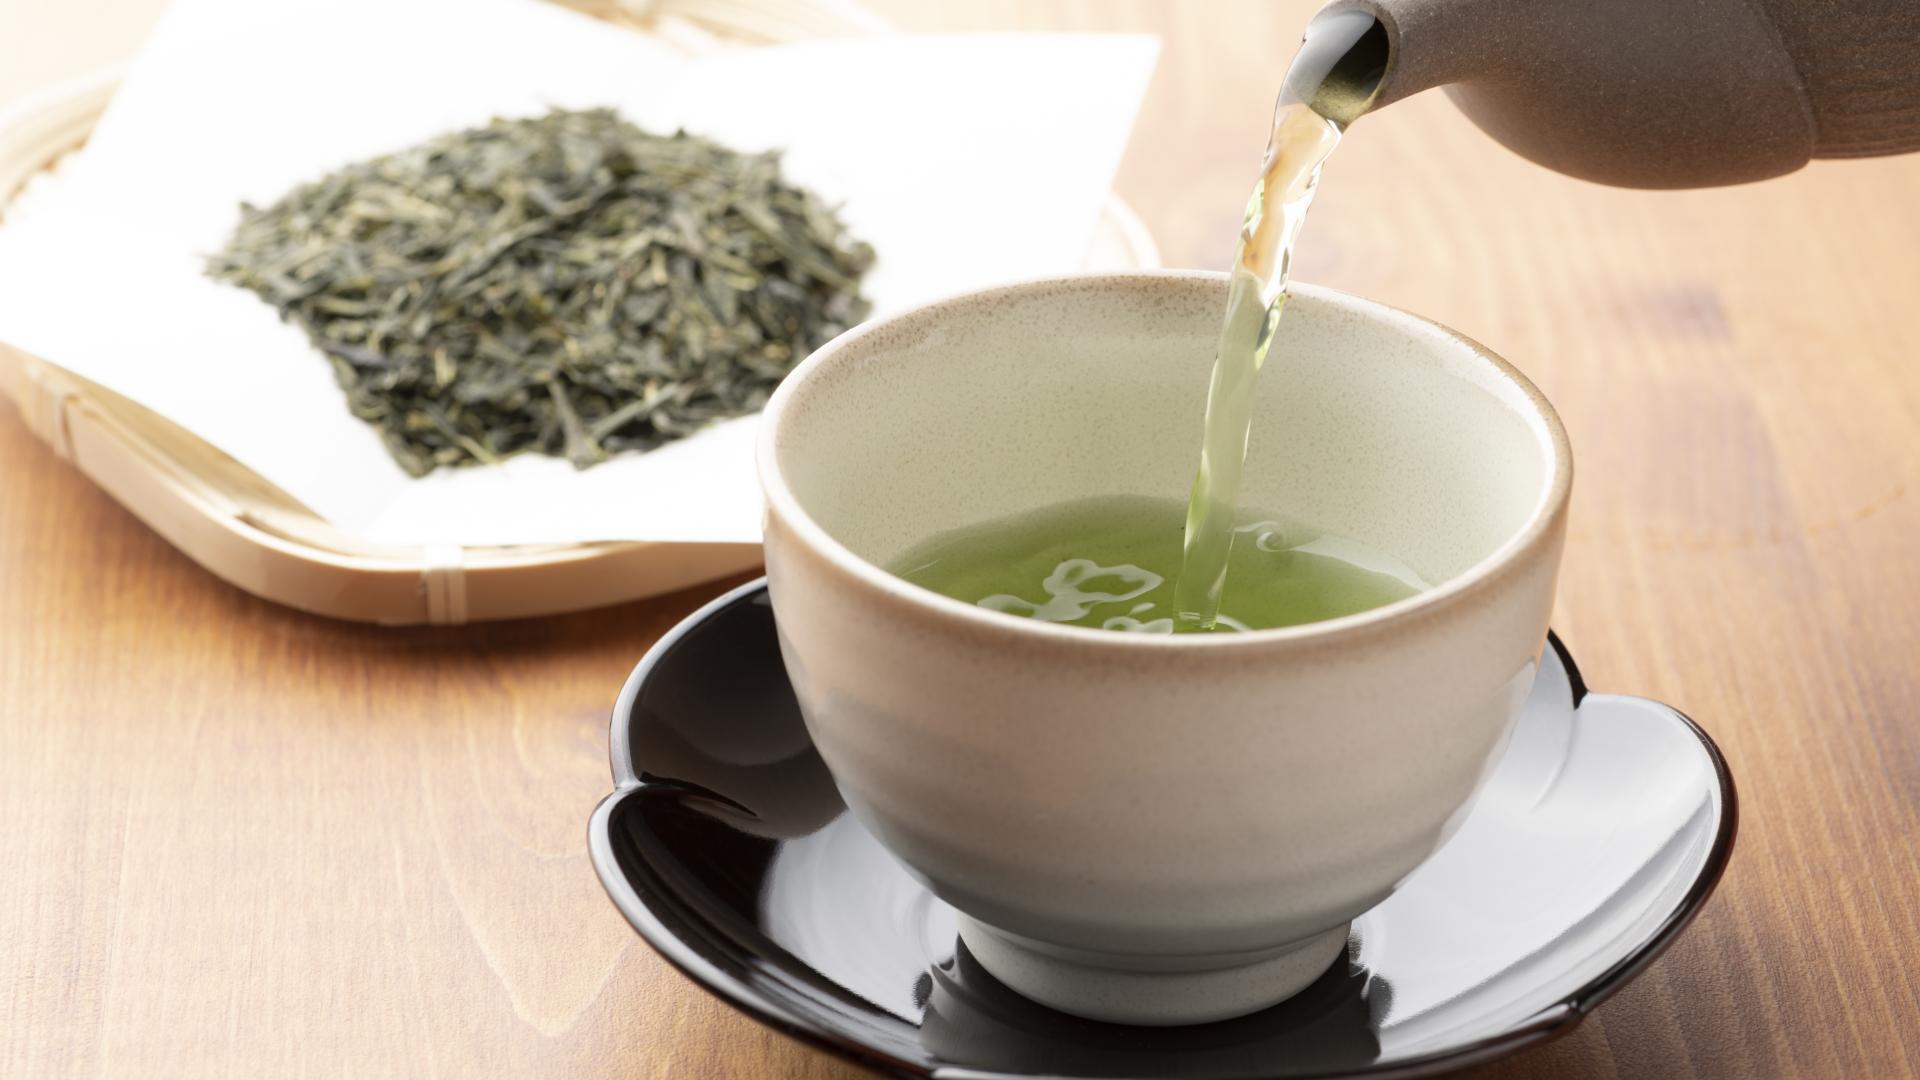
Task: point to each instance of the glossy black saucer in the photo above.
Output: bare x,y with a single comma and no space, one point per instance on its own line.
1596,840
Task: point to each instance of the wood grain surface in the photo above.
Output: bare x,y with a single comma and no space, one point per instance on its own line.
237,840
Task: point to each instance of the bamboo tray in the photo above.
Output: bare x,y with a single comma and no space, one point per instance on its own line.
249,533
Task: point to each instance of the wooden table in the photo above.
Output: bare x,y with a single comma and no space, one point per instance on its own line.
235,839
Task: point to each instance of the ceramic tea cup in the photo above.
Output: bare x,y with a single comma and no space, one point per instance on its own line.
1139,828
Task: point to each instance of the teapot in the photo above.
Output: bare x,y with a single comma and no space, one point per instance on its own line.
1637,93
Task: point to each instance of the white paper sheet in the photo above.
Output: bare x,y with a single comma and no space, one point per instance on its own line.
965,160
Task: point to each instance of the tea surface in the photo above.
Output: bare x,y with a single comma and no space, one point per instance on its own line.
1110,563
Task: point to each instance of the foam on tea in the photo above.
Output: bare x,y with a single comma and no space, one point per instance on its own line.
1110,563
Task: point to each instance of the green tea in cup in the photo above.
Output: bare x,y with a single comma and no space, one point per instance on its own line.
1112,562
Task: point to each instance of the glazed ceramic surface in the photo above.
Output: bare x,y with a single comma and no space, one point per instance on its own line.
1599,834
1158,829
1650,93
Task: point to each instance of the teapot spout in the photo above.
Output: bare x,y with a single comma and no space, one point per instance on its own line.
1420,44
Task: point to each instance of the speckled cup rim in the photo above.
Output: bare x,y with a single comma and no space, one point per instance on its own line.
1461,588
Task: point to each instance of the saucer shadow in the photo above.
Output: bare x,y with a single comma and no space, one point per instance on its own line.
1328,1027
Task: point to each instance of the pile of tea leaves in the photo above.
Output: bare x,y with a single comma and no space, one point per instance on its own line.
567,284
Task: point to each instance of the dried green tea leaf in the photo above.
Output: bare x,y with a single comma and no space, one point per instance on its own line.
567,284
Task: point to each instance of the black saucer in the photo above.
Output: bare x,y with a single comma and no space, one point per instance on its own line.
1598,837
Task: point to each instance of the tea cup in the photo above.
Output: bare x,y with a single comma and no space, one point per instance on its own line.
1158,829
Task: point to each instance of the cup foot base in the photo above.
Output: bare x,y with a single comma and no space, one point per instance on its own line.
1136,990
